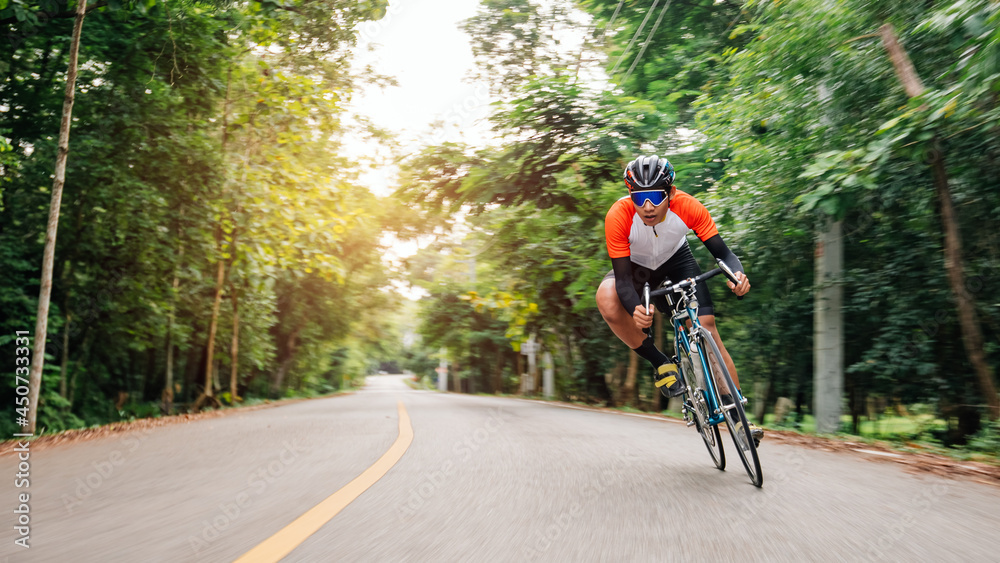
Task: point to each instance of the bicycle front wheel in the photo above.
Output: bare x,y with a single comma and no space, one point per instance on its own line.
736,418
697,404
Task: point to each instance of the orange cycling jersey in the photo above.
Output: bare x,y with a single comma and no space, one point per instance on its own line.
651,247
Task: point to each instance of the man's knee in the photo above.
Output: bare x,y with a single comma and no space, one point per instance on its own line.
607,298
707,321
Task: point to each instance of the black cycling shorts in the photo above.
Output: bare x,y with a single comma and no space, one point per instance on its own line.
680,266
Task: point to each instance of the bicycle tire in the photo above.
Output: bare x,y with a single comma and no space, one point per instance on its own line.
699,410
736,418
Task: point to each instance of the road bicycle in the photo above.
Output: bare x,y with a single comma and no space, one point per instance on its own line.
697,354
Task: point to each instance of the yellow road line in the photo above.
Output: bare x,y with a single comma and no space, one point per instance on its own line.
282,543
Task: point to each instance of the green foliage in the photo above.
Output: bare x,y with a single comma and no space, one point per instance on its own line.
209,132
779,117
987,441
203,132
819,128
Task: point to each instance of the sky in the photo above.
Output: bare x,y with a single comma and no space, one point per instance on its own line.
419,43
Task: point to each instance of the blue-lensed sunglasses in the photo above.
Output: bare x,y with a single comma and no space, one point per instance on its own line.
656,197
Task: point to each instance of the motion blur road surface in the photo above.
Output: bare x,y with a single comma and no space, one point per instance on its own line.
485,479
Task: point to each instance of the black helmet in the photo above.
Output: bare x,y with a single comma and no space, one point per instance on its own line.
649,173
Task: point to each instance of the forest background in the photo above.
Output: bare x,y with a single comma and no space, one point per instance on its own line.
217,244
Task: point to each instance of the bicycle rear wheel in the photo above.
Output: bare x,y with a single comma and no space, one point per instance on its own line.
697,404
736,418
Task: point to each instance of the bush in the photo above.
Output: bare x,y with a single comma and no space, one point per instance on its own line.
987,440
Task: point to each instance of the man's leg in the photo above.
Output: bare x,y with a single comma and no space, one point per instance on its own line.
615,315
666,377
708,321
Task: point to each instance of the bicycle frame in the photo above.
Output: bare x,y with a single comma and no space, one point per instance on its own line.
684,342
687,309
701,386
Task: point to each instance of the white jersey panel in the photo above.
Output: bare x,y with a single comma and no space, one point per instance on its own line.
651,247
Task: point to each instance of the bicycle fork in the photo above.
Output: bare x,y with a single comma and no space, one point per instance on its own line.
696,399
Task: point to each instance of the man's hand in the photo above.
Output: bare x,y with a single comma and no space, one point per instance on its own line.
743,287
641,319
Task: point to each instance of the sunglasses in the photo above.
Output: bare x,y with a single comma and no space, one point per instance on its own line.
656,197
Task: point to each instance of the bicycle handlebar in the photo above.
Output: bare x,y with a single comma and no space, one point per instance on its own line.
683,284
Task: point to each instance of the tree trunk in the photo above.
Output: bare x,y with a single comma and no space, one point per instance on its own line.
216,386
286,363
570,368
628,391
828,329
64,365
520,373
192,368
213,326
208,392
84,354
901,62
235,348
828,315
972,336
168,385
42,321
497,370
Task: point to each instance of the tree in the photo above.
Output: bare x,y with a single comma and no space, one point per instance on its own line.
41,325
852,156
149,189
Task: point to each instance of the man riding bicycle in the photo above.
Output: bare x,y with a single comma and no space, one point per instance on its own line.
646,239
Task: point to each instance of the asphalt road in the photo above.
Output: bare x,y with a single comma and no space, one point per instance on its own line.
484,479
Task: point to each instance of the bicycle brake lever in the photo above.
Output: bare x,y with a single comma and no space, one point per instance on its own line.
729,274
645,296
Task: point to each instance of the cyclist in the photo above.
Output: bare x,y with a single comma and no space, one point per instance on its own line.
646,239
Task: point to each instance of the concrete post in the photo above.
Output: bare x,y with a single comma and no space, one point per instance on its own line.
442,370
549,386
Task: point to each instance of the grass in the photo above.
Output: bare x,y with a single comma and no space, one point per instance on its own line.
886,426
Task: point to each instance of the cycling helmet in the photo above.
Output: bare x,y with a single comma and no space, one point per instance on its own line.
649,173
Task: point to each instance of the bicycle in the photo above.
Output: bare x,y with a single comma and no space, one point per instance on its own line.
696,354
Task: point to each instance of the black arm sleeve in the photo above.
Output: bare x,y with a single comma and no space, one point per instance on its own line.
718,248
623,284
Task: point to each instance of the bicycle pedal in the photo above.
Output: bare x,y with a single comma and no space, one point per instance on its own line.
690,423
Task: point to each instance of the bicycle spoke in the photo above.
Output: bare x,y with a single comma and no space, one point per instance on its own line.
696,404
735,417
